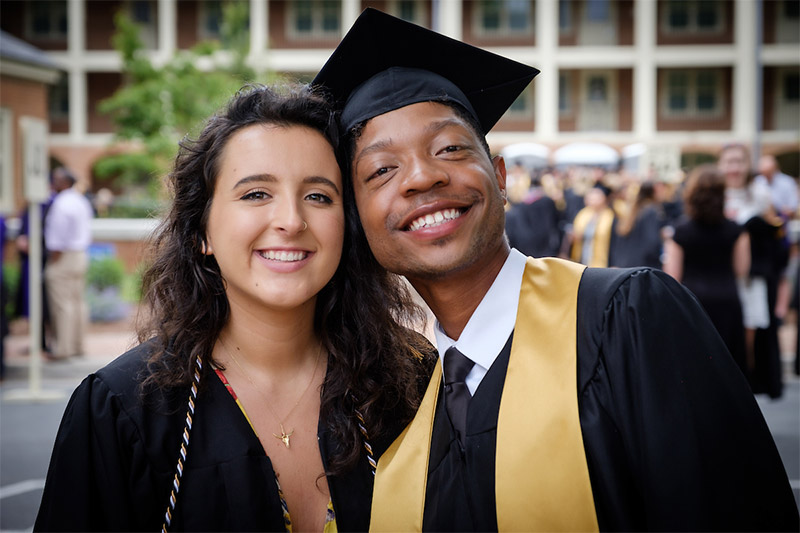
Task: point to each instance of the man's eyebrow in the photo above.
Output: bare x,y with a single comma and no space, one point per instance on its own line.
374,147
439,125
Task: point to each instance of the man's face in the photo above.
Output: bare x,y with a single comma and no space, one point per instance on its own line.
427,193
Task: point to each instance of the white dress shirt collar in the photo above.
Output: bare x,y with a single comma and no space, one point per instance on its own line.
492,322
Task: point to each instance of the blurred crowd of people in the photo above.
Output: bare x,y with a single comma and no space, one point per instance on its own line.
723,230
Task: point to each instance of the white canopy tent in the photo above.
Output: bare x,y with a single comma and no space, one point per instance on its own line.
586,154
530,155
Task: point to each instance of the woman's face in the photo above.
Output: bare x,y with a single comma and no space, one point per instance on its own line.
735,166
276,222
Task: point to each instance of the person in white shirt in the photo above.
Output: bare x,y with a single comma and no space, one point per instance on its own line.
783,188
67,235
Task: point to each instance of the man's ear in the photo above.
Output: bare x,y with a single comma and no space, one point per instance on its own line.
499,165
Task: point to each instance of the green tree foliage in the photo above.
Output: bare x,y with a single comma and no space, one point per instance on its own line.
159,104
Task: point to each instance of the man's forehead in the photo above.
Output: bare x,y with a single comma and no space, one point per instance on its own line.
424,117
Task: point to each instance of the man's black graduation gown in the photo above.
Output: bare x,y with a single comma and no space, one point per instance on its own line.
115,457
674,440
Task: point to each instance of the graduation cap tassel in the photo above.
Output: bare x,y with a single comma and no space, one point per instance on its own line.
187,429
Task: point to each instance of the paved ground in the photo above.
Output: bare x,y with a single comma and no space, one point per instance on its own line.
28,428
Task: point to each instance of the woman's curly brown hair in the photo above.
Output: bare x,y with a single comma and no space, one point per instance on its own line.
375,365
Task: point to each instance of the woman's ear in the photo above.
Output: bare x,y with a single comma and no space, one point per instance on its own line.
205,247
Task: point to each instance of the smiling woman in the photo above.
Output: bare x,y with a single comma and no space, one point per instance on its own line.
297,362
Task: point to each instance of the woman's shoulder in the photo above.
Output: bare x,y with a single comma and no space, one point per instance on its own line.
127,371
127,378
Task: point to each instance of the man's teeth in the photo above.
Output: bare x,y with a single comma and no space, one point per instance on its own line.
284,256
434,219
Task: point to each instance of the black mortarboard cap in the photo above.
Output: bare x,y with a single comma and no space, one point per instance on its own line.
385,63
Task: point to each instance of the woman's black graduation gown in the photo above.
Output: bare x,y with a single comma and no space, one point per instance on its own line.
674,439
114,460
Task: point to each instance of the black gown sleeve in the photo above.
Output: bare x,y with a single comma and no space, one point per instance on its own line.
98,479
674,438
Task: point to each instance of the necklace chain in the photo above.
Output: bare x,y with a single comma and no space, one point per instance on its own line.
283,436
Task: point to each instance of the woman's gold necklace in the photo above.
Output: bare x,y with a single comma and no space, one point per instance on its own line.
283,437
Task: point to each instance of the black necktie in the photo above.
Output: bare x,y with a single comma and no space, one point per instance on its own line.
456,393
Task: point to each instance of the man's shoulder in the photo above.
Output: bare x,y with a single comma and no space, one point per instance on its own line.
602,284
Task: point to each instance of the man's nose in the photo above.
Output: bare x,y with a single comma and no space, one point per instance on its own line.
423,175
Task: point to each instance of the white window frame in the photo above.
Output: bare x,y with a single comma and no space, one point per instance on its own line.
420,10
54,16
6,161
692,89
317,31
505,28
692,28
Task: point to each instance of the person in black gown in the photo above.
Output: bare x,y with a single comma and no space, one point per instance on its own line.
708,253
532,225
637,241
272,371
570,398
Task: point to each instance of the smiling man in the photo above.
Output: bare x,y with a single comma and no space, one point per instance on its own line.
571,399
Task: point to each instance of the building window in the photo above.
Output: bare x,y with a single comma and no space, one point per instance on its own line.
791,87
521,108
597,89
598,11
143,13
564,101
58,99
47,20
314,19
706,92
505,17
692,16
210,19
692,94
409,10
791,9
565,16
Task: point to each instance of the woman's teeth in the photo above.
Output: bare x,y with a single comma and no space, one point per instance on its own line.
284,256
